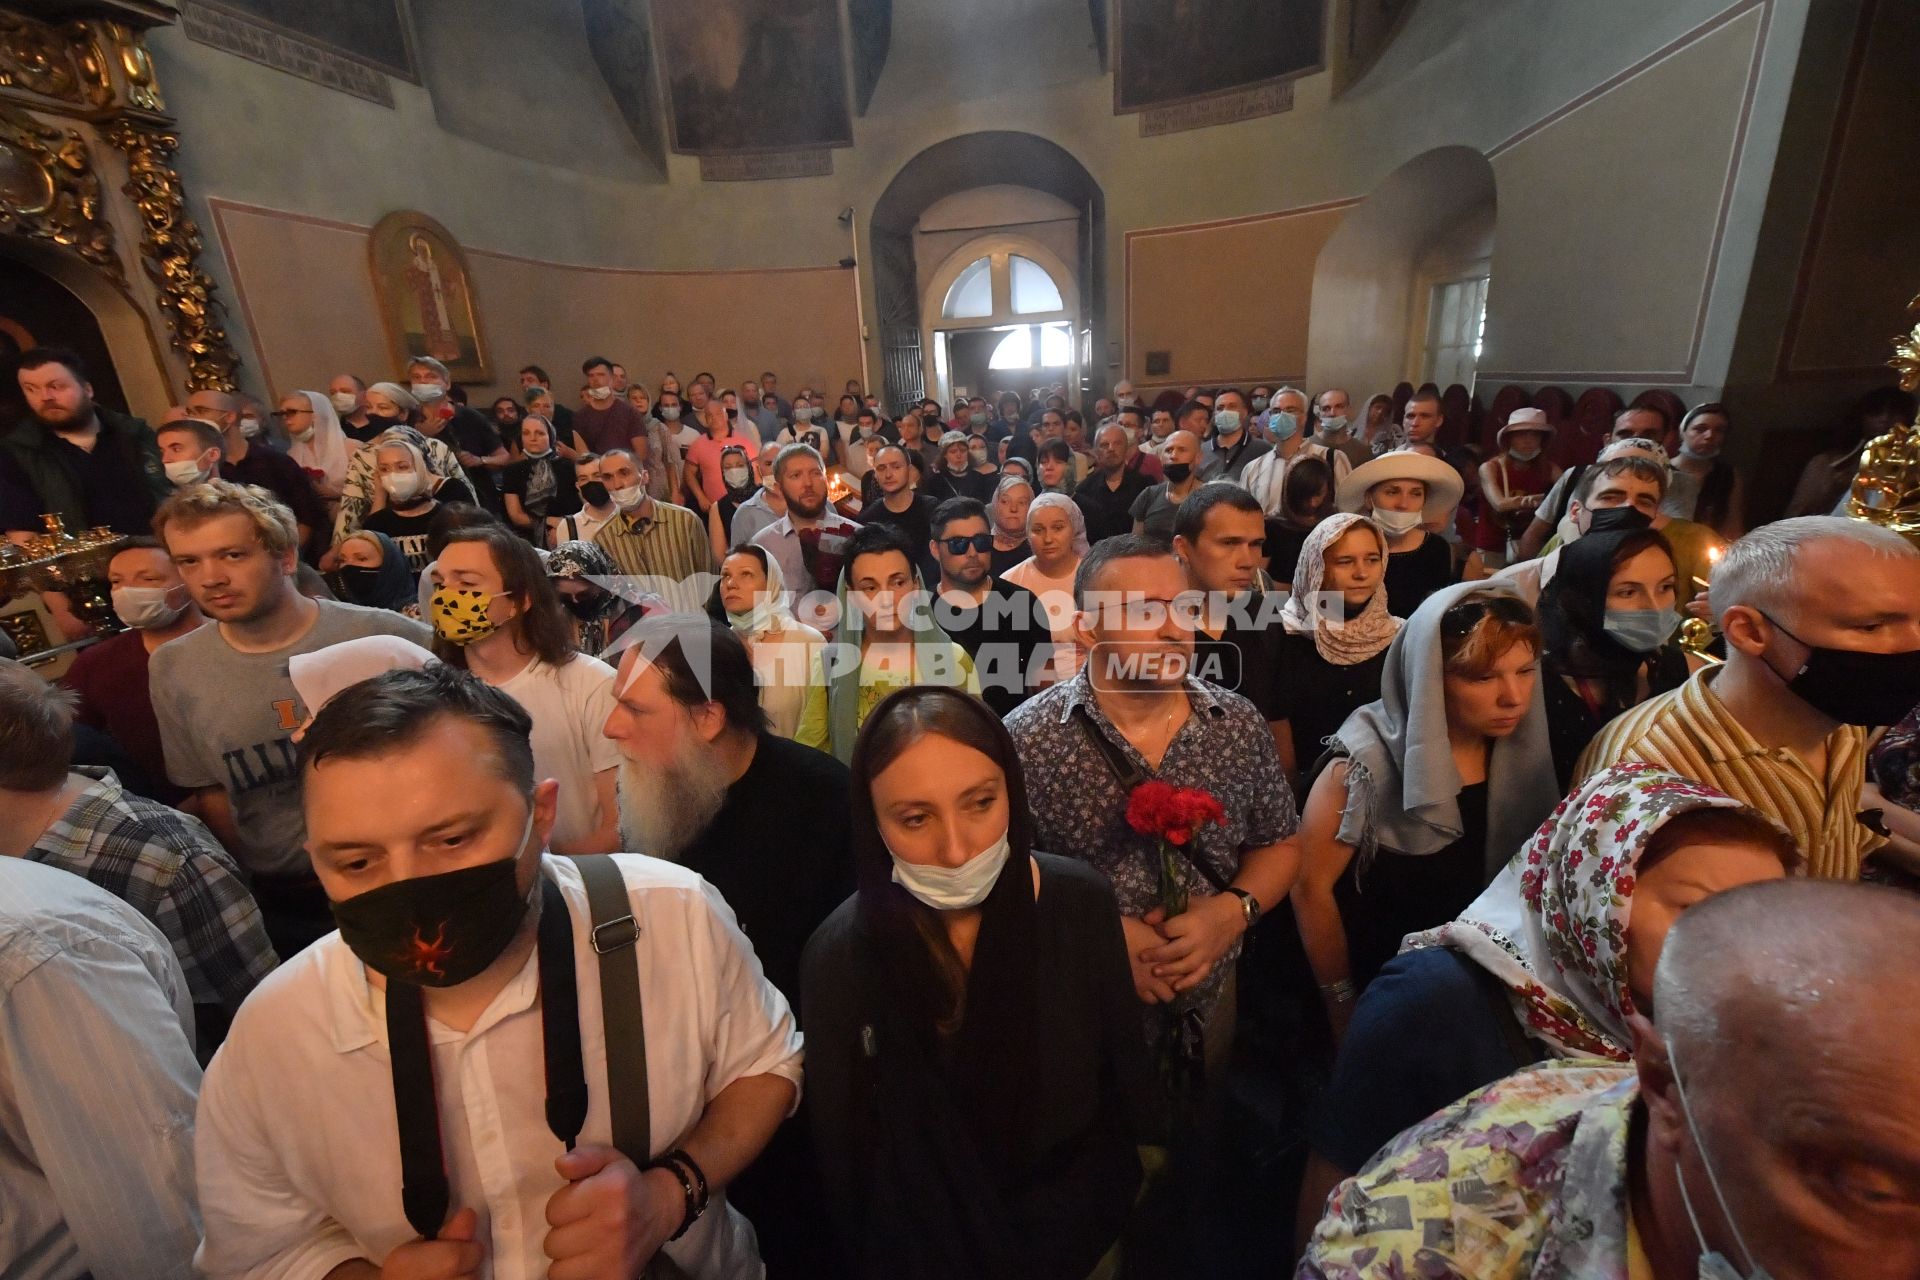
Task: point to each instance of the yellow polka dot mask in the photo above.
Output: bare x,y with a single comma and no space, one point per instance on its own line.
461,617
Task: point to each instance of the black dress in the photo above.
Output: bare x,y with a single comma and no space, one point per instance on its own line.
1414,575
1001,561
1315,696
895,1155
1400,893
1571,724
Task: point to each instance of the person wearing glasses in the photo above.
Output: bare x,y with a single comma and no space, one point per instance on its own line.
1426,793
317,442
999,624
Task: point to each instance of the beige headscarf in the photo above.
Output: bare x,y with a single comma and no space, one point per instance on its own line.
1360,637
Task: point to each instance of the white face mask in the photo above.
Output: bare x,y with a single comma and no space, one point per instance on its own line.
145,607
601,393
953,888
1713,1264
737,477
186,472
249,427
628,497
1332,426
424,391
1398,522
302,436
343,401
401,486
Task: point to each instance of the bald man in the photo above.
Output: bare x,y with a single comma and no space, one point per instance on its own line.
1769,1124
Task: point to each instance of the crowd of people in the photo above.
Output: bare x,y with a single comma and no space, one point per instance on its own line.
684,830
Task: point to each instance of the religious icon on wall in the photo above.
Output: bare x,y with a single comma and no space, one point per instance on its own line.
1176,51
754,75
374,32
426,295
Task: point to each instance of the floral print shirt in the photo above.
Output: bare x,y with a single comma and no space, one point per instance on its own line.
1524,1180
1079,807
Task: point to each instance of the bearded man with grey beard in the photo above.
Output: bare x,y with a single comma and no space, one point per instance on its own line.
767,822
704,784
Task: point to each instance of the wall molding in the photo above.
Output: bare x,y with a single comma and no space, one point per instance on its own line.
1843,120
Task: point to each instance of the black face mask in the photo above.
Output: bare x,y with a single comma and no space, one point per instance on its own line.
595,494
584,607
435,931
1176,472
383,422
359,581
1618,520
1856,688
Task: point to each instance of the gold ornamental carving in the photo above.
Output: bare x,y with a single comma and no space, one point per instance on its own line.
170,251
1886,489
61,62
49,190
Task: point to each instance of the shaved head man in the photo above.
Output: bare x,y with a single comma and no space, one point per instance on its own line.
1781,1087
1767,1128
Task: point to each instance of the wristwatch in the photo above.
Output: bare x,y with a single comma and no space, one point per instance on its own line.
1249,905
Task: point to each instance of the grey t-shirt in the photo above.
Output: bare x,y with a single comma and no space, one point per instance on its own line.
227,720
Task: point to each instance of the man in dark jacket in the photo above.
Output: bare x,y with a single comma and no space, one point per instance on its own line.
71,458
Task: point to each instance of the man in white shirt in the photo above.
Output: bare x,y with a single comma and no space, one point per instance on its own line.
1266,476
446,986
97,1083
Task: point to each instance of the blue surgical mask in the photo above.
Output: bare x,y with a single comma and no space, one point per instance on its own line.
1332,426
1259,403
1641,630
1282,425
1714,1265
1226,422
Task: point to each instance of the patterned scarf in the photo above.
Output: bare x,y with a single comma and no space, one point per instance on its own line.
1356,639
1553,925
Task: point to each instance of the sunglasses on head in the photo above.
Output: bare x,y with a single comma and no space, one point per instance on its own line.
1465,616
959,546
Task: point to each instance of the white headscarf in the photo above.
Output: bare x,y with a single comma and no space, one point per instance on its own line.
1074,515
327,449
322,675
772,611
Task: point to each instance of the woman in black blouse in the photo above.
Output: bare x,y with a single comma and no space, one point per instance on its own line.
1327,671
975,1067
1607,621
1410,495
541,484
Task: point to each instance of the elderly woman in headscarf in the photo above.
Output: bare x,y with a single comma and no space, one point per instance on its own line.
1607,621
360,493
373,572
1057,532
600,616
1549,962
886,639
751,598
1008,514
319,444
1329,660
1424,795
541,484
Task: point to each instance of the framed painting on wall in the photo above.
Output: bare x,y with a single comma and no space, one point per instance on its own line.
1167,52
732,67
426,295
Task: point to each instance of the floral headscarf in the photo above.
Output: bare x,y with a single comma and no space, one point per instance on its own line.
1358,638
1553,925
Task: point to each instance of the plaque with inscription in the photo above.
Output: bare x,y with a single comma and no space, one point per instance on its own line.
751,167
272,47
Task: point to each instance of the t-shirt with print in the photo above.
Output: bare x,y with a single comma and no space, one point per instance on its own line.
568,705
410,532
227,720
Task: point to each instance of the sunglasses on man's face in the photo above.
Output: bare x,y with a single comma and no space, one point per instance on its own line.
960,546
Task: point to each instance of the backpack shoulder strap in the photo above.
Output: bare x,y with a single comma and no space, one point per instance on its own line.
615,933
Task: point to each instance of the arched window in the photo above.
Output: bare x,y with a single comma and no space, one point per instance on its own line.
971,296
1016,350
1033,289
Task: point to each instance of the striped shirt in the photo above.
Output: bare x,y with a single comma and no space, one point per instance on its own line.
666,543
1690,731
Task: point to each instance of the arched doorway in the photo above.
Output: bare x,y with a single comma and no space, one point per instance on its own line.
1400,288
37,311
1015,160
1001,313
51,298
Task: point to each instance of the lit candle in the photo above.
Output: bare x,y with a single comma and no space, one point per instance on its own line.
1714,553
